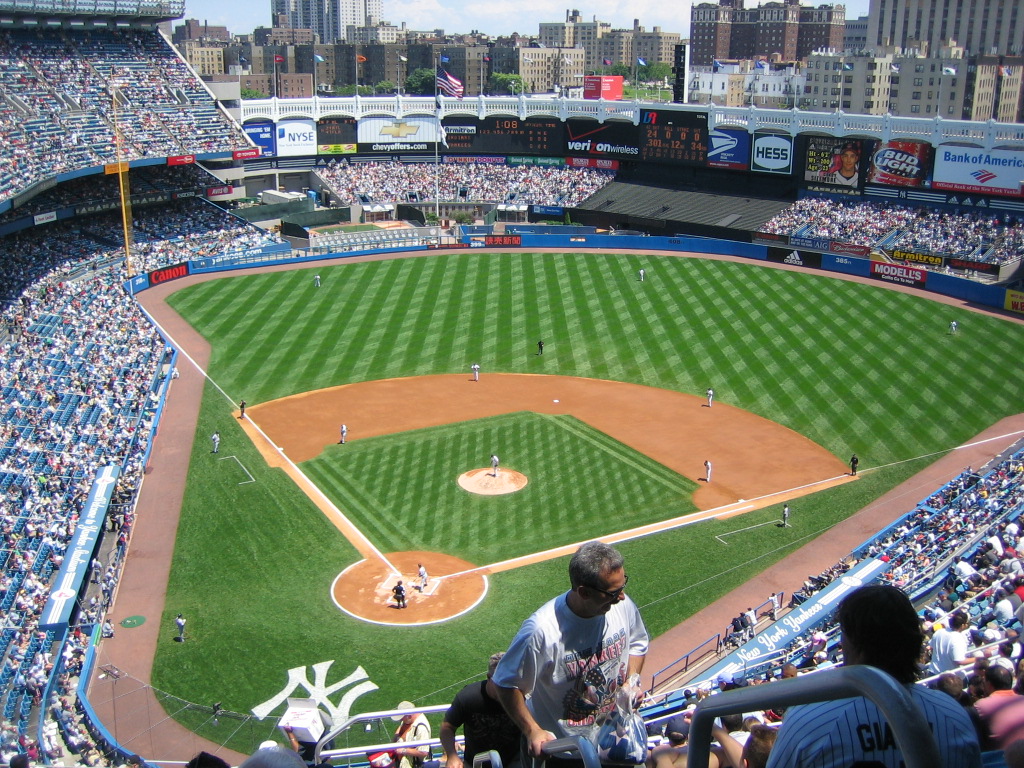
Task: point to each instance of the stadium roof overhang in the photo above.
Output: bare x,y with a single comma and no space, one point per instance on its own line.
86,14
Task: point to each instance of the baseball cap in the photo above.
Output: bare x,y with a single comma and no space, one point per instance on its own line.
724,678
677,728
403,705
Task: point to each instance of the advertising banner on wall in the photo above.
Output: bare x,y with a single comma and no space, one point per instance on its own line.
729,148
771,153
897,273
918,258
794,257
262,135
396,134
295,138
900,163
1014,301
970,169
610,139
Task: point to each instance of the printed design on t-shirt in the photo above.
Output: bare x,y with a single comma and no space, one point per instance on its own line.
597,674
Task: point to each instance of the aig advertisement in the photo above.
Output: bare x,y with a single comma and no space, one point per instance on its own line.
729,148
295,138
772,153
970,169
396,134
262,135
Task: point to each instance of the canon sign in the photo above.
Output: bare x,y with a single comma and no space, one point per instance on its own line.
772,154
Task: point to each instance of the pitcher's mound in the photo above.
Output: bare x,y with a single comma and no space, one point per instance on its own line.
484,482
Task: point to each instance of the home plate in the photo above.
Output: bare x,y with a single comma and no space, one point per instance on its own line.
554,401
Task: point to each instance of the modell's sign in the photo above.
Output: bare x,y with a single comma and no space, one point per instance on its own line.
897,273
167,274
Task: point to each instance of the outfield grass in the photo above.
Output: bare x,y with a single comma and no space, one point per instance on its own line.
854,368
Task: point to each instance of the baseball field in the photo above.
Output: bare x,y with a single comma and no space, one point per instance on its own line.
834,365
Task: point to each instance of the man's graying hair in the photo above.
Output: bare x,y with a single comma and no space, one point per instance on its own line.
590,561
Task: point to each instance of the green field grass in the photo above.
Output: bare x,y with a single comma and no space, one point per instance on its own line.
853,367
579,478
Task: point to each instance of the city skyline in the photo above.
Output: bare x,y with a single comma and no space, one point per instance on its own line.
498,17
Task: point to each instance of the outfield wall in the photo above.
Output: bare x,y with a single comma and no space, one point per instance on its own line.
994,296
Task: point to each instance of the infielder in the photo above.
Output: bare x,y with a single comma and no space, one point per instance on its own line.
711,396
475,368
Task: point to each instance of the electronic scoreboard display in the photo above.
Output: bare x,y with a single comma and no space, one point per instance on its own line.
505,135
674,137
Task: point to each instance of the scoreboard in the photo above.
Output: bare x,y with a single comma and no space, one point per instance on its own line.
674,137
505,135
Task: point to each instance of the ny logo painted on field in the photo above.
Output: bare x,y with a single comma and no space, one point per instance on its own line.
319,691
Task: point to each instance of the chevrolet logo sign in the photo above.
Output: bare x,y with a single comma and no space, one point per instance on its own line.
400,129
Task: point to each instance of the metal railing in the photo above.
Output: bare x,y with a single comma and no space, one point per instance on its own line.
909,726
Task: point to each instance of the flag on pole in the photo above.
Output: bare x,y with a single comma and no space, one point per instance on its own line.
847,66
606,62
487,58
444,59
949,70
319,59
278,58
360,58
641,62
402,58
717,65
761,64
448,84
895,67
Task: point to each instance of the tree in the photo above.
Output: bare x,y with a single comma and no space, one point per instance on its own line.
501,84
249,93
655,72
621,70
384,86
420,82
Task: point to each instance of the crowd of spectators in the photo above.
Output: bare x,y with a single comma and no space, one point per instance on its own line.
391,182
105,188
168,234
972,628
982,237
80,372
67,93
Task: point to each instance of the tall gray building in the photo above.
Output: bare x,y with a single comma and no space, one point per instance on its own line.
329,19
983,27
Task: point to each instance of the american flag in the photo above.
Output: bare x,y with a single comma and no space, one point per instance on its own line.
448,84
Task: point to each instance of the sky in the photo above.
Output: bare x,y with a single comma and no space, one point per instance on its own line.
493,17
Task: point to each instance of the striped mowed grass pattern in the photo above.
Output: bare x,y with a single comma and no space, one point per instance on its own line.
852,368
401,490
